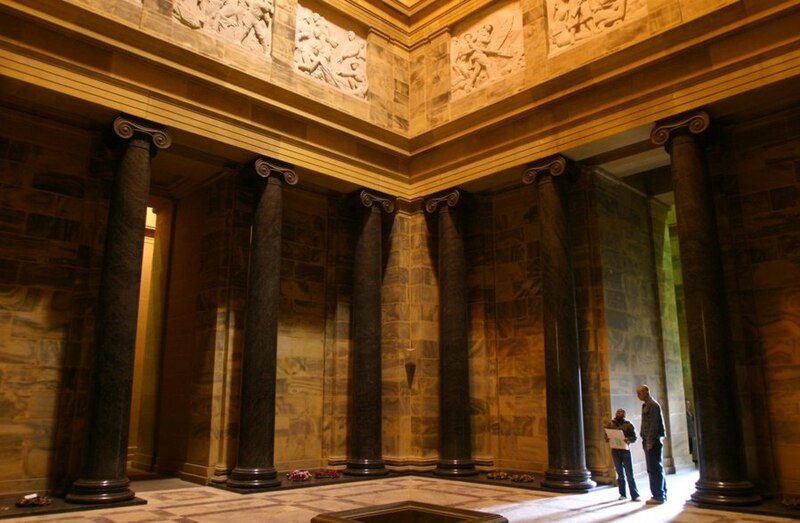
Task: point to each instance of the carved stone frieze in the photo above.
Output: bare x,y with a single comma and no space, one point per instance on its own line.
245,22
330,54
487,51
573,21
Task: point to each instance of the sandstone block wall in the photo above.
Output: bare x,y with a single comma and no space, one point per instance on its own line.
53,205
756,169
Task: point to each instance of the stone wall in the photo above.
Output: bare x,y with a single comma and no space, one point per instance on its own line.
53,206
522,411
756,167
410,344
628,334
301,331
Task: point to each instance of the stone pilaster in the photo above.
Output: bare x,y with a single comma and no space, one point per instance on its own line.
565,441
723,477
365,402
255,459
102,477
455,454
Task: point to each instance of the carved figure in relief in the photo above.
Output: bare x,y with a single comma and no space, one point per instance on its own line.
356,79
319,54
246,22
256,19
475,56
352,49
575,20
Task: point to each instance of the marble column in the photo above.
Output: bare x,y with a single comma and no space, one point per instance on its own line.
102,477
565,444
255,458
723,476
364,443
455,448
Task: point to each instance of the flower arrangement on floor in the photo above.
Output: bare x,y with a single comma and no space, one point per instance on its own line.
327,474
33,500
299,475
517,478
496,474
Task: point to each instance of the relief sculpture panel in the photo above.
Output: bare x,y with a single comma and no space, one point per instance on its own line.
246,22
487,51
573,21
330,54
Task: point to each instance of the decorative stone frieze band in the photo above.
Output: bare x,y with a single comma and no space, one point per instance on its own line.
126,126
695,123
451,199
369,199
265,168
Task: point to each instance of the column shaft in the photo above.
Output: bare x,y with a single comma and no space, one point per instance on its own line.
455,453
723,478
365,401
565,444
102,477
254,464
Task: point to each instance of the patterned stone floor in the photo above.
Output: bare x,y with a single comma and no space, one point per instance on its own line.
175,501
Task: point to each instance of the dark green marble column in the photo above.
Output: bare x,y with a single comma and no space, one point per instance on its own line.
364,443
723,475
255,459
565,444
455,450
102,476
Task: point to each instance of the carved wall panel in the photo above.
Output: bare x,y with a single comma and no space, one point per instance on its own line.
572,21
487,50
330,54
245,22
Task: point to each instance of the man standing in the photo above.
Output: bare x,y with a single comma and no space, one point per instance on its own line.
652,431
622,457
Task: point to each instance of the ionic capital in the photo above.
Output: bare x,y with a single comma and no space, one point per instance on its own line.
266,167
126,126
369,199
695,123
552,165
450,198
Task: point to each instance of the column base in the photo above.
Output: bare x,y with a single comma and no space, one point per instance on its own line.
247,478
728,493
455,467
221,474
365,467
571,480
95,491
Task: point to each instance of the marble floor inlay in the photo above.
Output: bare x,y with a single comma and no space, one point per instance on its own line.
176,502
